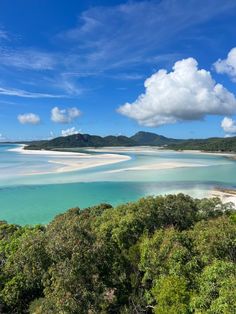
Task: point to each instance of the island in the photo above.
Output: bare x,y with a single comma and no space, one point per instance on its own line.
141,138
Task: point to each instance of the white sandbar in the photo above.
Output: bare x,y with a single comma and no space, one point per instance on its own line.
71,161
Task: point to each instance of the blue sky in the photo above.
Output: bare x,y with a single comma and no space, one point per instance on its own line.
68,66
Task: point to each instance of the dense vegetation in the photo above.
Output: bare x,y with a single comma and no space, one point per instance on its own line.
152,139
214,144
170,254
86,140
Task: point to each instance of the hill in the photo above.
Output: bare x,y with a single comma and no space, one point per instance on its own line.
86,140
214,144
153,139
82,140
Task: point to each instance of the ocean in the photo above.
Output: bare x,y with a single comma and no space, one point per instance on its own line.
33,192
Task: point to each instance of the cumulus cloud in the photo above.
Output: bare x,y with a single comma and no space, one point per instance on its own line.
28,118
228,65
187,93
228,125
64,115
69,131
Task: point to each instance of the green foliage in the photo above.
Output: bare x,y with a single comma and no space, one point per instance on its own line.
211,144
86,140
215,239
171,295
171,254
140,138
216,289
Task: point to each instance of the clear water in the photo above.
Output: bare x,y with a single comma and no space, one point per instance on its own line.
37,198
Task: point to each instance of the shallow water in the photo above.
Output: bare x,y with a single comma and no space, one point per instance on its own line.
31,199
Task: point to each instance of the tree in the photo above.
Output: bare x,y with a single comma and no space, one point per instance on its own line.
216,289
171,295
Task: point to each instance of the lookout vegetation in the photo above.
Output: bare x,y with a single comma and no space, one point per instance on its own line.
165,255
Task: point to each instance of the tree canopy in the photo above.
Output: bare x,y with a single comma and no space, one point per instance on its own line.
165,254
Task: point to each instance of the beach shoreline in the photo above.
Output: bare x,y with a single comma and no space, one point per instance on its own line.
72,161
158,148
225,195
75,161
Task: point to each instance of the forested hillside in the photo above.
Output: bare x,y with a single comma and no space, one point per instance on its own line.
139,139
169,255
87,140
211,144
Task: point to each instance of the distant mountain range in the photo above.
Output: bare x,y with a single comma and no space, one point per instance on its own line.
86,140
139,139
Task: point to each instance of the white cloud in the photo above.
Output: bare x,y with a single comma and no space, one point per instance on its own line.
96,49
64,115
227,65
228,125
28,118
69,131
27,59
67,82
186,93
26,94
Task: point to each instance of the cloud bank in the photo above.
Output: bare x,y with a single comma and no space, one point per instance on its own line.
187,93
28,118
64,115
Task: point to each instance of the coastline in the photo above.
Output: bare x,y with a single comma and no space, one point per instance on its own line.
225,195
72,161
160,149
160,166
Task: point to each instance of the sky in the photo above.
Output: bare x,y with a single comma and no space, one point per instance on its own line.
117,67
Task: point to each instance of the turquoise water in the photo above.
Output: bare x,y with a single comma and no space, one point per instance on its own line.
31,199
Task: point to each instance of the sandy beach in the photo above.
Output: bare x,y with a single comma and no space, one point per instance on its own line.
225,195
71,161
159,166
20,149
64,161
151,149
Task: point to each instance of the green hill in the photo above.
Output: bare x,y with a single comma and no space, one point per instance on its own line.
86,140
139,139
211,144
82,140
152,139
